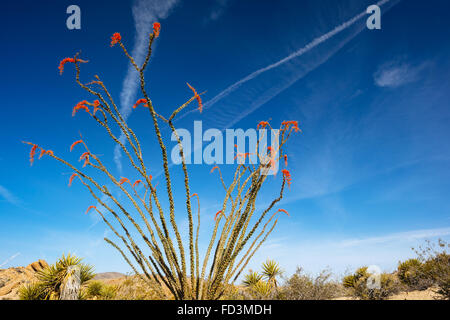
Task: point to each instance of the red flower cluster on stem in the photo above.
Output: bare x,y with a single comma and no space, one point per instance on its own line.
85,156
282,210
63,62
71,178
218,212
116,37
287,124
262,124
96,106
136,183
80,105
74,144
197,96
66,60
90,207
33,153
214,168
156,29
123,180
287,176
140,101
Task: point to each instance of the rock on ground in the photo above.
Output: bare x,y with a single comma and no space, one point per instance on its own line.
13,278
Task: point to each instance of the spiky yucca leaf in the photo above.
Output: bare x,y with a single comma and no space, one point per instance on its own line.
32,291
251,279
262,288
271,270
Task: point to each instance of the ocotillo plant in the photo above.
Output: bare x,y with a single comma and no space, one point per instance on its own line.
163,264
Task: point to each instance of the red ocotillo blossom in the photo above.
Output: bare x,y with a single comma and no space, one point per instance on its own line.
194,195
123,180
140,101
243,155
287,124
65,60
42,153
90,207
80,105
218,212
197,96
287,176
85,157
156,29
214,168
71,178
282,210
116,37
262,124
74,144
136,183
32,151
285,160
96,106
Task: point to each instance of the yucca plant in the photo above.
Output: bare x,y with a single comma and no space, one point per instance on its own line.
33,291
167,264
251,279
262,289
270,271
52,277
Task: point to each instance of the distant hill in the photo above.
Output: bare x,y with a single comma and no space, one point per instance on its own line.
108,275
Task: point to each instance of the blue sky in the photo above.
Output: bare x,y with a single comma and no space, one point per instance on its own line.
370,169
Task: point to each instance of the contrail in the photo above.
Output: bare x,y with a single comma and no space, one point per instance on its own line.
10,259
145,12
314,43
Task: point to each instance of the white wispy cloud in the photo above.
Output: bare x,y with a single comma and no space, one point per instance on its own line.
311,45
145,12
400,236
10,259
8,196
218,9
394,74
345,254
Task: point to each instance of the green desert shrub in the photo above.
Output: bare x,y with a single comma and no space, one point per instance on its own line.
32,291
108,292
135,288
101,291
94,288
412,274
359,285
436,265
301,286
51,278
